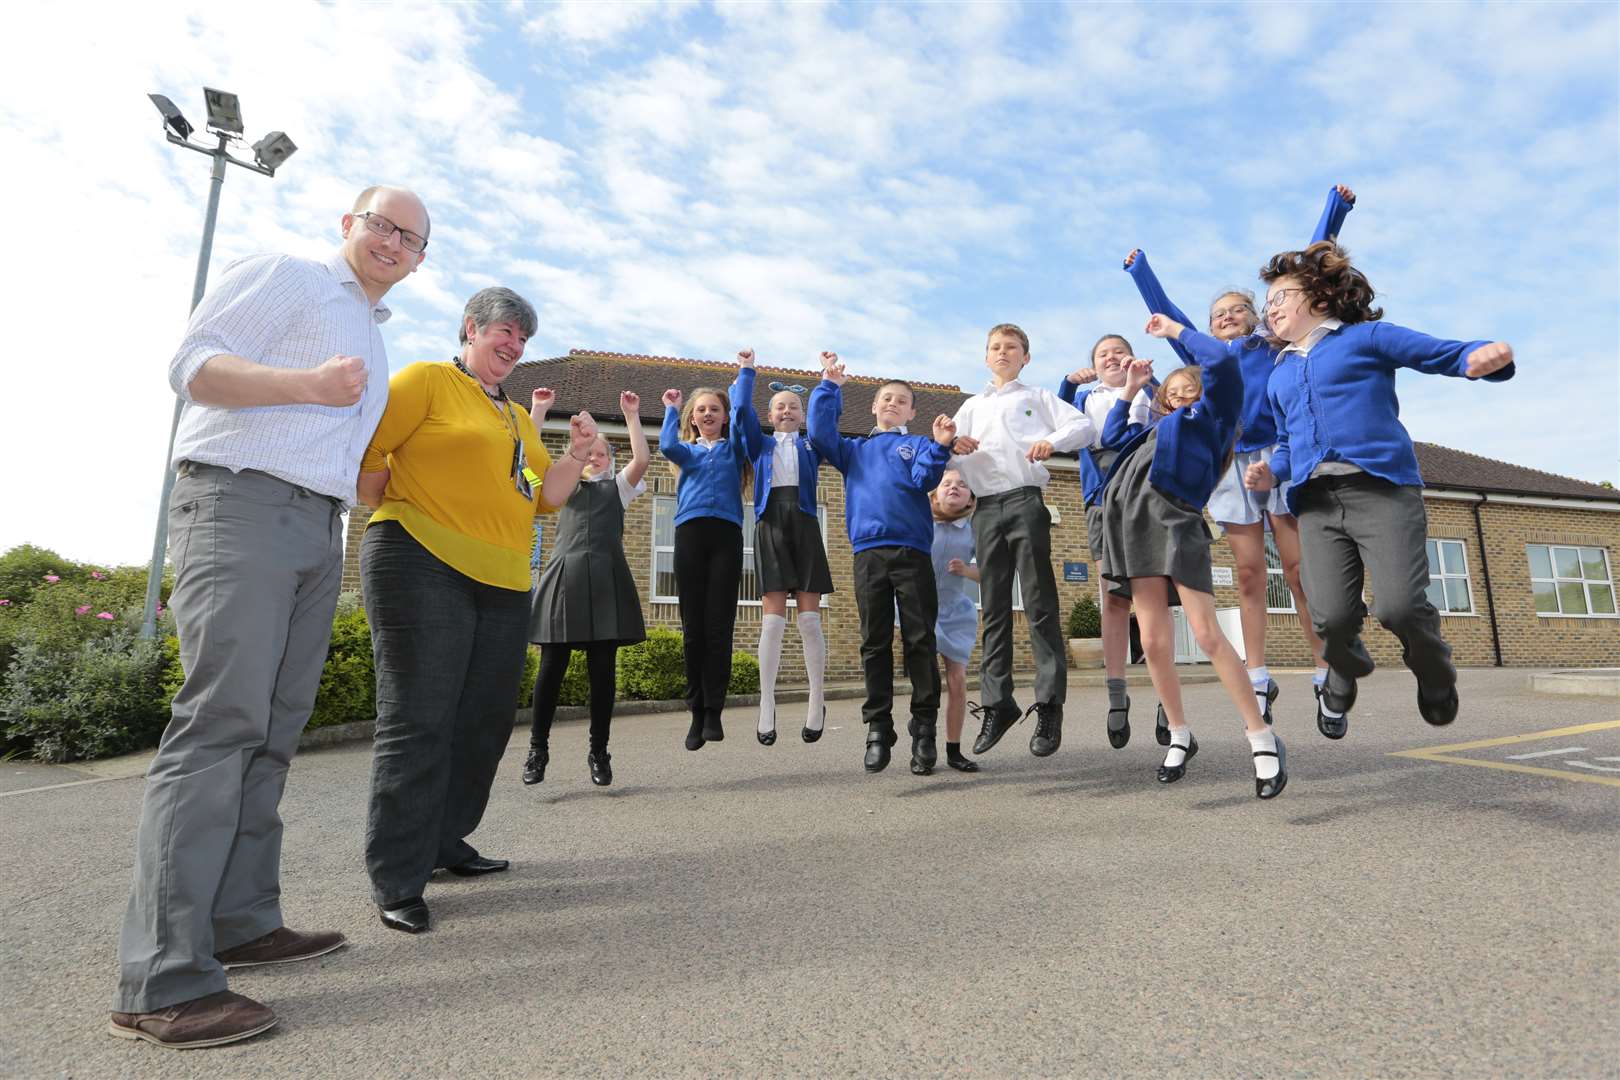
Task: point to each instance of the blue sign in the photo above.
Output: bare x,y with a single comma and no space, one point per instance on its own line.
1074,571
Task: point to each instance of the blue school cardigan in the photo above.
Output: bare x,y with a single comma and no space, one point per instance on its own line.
1193,440
809,462
1255,355
887,477
711,477
1091,477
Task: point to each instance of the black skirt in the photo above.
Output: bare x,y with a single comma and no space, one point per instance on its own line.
788,550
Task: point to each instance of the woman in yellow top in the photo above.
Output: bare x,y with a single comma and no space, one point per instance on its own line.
456,474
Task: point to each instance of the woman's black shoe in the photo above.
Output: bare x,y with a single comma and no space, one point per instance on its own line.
534,768
712,731
1118,737
1272,690
409,916
601,770
766,738
1169,774
810,734
1161,727
1270,789
694,734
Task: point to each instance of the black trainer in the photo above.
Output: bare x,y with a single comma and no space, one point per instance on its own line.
996,721
1048,729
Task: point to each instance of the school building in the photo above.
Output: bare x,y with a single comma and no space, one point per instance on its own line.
1521,562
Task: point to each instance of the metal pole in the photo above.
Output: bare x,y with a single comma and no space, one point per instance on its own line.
160,542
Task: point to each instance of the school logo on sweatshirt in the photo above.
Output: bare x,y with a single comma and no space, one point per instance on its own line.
905,452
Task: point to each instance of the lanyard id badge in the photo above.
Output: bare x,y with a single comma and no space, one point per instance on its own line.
524,478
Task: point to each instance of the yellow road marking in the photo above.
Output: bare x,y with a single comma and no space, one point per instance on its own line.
1444,754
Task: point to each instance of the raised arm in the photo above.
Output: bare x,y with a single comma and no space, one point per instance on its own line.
562,475
669,436
1147,283
1122,426
746,434
1069,386
1400,347
630,406
821,422
1340,201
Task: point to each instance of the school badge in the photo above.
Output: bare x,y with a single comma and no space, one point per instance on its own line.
905,452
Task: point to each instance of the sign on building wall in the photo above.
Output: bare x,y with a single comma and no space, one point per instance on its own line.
1220,575
1074,571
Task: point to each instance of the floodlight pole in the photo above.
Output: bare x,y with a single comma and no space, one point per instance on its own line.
160,542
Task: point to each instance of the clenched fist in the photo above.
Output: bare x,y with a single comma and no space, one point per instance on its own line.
629,402
944,430
1259,477
745,358
1163,326
1488,358
338,382
672,399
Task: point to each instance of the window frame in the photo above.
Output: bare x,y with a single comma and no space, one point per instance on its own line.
1466,577
749,524
1275,556
1586,583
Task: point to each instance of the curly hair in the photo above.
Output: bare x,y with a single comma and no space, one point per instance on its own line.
1161,397
1332,284
689,432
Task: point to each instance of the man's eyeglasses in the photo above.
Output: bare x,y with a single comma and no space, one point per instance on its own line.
1280,297
778,387
385,228
1236,311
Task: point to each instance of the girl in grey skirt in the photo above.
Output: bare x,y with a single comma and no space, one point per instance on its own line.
586,598
1156,546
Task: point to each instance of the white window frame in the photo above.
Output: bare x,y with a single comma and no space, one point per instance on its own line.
1276,580
1443,576
667,504
1585,582
1017,592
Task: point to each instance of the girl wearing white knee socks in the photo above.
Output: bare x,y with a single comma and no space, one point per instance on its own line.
790,558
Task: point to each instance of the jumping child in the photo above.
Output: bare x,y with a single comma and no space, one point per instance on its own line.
957,627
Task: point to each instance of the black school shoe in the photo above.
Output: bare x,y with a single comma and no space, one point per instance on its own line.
694,734
1272,690
996,721
878,740
810,734
534,768
1270,789
1169,774
1339,695
1118,737
600,764
1439,713
1161,727
713,731
1048,729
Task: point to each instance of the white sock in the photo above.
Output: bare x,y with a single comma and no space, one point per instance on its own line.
771,629
1319,676
1264,767
1260,678
1180,739
815,664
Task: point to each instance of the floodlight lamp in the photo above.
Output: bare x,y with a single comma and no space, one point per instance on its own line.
224,111
273,149
172,117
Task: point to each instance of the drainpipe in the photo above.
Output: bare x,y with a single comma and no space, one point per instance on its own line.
1485,571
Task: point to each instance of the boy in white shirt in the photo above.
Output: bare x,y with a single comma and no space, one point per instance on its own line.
1003,435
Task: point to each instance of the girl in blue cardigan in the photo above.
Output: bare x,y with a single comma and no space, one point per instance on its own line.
788,556
1156,545
1356,487
1243,512
711,444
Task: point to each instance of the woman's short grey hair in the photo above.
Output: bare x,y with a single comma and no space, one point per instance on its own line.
497,304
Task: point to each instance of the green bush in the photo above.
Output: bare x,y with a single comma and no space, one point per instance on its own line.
655,669
531,668
100,698
348,692
1085,621
744,674
23,570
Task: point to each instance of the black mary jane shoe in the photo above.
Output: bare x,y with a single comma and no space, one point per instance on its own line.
601,766
878,741
713,731
1118,737
1272,690
1270,789
694,734
810,734
766,738
534,767
1161,727
477,866
1439,713
995,722
1339,698
407,916
1169,774
962,764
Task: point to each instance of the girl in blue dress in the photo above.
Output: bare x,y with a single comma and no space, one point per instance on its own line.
957,626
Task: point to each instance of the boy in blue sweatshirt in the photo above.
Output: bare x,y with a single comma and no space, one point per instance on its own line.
887,478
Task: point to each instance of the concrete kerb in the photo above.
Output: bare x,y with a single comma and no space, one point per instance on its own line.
1596,682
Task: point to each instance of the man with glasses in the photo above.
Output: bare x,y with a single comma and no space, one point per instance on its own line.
284,377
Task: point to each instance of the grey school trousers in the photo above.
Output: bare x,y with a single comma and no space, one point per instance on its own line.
258,563
1012,531
1356,527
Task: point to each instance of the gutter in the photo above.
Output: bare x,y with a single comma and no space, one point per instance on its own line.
1485,571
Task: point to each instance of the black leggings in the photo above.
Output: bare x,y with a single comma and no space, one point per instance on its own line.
708,566
601,661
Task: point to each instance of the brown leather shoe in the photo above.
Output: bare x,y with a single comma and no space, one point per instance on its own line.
281,946
213,1020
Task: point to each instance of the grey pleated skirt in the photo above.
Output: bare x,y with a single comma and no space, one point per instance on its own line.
586,597
787,547
1147,533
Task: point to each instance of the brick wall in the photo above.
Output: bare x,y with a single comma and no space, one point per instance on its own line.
1527,640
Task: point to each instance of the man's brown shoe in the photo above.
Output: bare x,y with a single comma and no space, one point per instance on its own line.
213,1020
281,946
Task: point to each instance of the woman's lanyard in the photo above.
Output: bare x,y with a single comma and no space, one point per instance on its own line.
524,478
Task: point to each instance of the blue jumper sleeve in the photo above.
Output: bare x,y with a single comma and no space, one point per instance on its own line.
746,435
1333,215
928,465
669,439
1399,347
1069,391
1223,377
826,404
1118,429
1282,457
1147,283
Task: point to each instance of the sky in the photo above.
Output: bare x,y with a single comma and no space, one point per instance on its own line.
884,180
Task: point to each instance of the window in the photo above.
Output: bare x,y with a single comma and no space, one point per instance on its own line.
1279,597
1017,593
1571,581
663,557
1448,577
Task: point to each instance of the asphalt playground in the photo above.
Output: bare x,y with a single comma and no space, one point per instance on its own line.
1419,902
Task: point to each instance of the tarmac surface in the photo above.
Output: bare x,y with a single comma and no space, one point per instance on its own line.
1418,902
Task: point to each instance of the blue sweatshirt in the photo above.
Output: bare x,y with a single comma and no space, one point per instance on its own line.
1338,403
1194,439
887,477
1255,355
711,476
